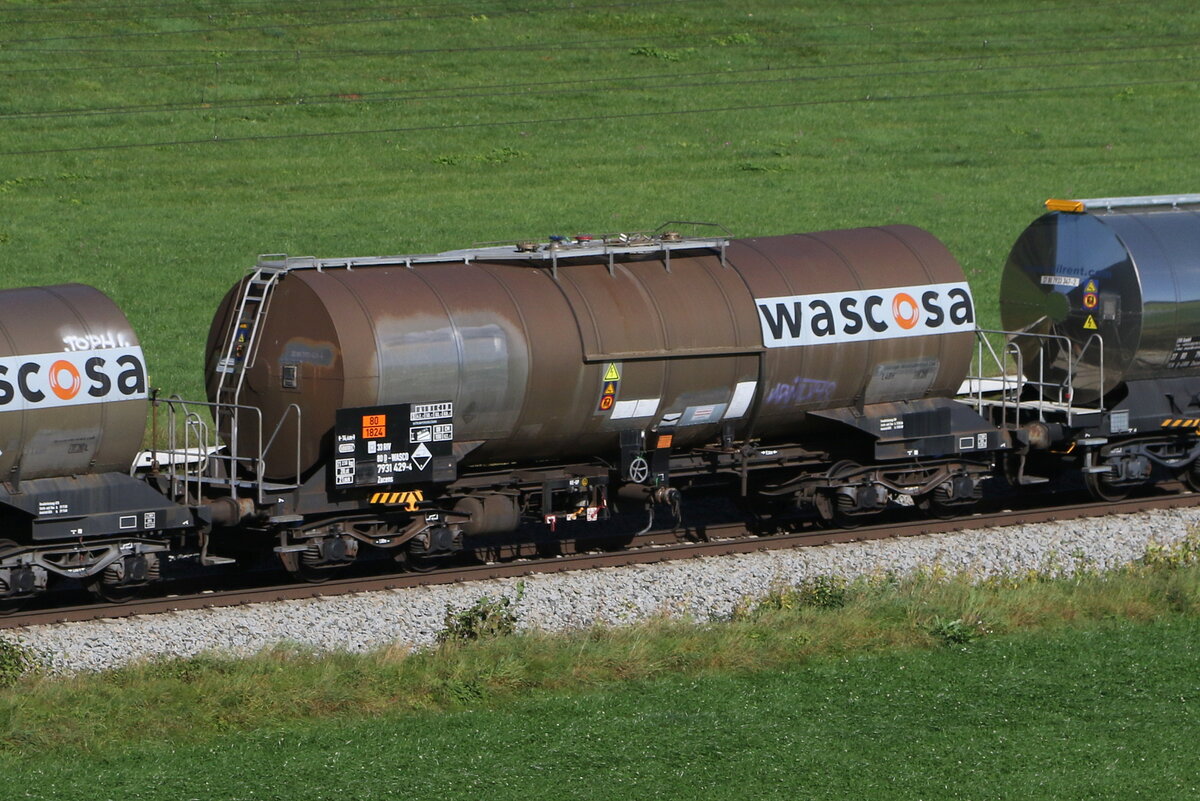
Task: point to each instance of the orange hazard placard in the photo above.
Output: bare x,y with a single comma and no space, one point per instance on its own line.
374,426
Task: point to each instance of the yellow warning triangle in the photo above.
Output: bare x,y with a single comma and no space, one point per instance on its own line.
612,373
1090,323
1091,286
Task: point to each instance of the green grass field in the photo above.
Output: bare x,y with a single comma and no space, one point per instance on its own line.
928,688
1106,712
155,149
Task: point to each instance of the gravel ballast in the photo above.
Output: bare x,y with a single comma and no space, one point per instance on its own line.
701,589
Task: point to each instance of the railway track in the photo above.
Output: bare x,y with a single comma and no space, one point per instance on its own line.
656,546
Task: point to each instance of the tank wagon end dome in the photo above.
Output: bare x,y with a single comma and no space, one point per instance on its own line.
1121,275
73,394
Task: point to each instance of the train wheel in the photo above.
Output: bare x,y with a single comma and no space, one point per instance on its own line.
835,513
416,564
1100,489
931,506
836,518
113,593
311,575
9,605
1190,476
322,560
142,572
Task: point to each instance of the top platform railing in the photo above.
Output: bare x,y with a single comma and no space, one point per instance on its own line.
1000,378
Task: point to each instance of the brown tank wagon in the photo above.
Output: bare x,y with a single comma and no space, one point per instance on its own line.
549,363
662,356
72,383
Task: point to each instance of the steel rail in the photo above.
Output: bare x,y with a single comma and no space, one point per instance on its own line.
654,547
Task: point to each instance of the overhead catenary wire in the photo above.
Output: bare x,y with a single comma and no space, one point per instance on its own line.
224,11
335,55
994,40
283,7
575,85
994,93
158,6
992,46
548,10
571,9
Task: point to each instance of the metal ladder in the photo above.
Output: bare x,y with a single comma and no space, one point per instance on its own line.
241,340
241,345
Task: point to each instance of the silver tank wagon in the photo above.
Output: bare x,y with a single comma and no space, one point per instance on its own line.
1123,270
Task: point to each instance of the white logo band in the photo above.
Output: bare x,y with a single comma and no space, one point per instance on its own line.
865,314
71,378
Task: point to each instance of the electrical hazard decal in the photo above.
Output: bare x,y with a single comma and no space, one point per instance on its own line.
610,387
1090,323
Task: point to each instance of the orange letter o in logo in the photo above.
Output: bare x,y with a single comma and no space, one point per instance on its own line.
64,380
905,310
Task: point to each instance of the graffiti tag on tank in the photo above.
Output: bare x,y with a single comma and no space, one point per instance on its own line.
100,341
800,390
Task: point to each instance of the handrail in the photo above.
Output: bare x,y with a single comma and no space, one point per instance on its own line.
262,461
204,450
1015,377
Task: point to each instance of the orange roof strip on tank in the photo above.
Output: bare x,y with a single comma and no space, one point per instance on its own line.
1110,203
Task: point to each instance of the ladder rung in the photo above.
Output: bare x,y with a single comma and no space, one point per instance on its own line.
242,338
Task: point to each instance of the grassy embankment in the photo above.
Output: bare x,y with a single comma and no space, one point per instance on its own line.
934,686
504,120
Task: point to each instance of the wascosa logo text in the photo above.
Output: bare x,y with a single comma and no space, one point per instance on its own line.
45,380
863,314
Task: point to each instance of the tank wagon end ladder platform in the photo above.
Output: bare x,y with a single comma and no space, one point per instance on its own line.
238,354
